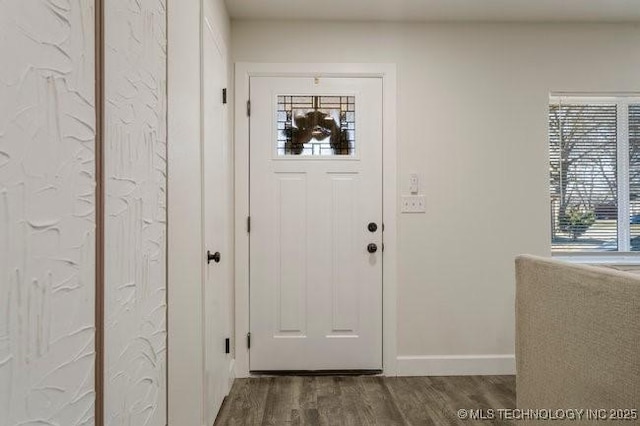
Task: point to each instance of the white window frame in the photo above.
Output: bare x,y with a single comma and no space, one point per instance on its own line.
623,255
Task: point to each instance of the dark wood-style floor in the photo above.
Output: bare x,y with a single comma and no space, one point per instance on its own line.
366,400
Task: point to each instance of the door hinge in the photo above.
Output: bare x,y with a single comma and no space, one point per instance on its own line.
249,340
248,108
227,345
248,224
224,96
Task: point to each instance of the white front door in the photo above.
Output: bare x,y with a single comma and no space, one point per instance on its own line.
217,224
316,224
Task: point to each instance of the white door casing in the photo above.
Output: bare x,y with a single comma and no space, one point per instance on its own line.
316,290
243,72
217,225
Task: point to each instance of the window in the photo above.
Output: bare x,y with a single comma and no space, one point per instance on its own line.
316,125
594,145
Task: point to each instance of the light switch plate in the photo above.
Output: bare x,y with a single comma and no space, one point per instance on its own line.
414,184
413,204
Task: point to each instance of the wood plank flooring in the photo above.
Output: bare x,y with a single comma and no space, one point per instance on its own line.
363,400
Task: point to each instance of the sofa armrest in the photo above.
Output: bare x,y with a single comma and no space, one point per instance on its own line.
577,336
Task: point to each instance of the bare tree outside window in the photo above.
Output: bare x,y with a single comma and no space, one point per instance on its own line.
583,176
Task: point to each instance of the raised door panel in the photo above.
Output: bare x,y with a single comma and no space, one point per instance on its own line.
292,261
345,278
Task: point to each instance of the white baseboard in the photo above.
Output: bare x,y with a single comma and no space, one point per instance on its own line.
456,365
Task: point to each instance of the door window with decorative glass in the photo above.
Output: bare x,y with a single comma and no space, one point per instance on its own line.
316,125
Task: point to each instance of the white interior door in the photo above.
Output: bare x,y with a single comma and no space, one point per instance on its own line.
316,224
217,226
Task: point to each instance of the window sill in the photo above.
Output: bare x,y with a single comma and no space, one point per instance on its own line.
600,259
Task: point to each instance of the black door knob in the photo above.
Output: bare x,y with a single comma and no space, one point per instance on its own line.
372,248
215,257
372,227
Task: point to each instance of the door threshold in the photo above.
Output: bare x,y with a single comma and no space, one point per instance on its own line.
318,373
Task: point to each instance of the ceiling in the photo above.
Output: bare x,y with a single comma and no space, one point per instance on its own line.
439,10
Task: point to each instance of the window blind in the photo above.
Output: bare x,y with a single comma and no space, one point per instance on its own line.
634,175
583,176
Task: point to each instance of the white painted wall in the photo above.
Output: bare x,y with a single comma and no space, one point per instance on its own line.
186,254
472,122
135,223
47,212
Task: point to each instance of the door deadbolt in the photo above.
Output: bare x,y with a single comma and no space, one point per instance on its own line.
372,227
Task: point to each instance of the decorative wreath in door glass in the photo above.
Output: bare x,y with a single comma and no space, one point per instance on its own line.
315,127
319,126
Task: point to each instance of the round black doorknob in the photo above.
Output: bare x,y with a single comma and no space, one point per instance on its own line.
372,227
372,248
215,257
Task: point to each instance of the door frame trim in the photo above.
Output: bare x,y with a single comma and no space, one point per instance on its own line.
387,72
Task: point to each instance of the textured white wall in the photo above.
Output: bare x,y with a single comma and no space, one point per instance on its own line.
47,212
472,122
135,227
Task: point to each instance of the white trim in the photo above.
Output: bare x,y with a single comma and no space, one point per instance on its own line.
622,101
594,97
232,374
243,73
456,365
624,207
217,35
203,265
221,47
601,258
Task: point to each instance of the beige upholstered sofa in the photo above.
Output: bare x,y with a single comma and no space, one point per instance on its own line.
577,337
